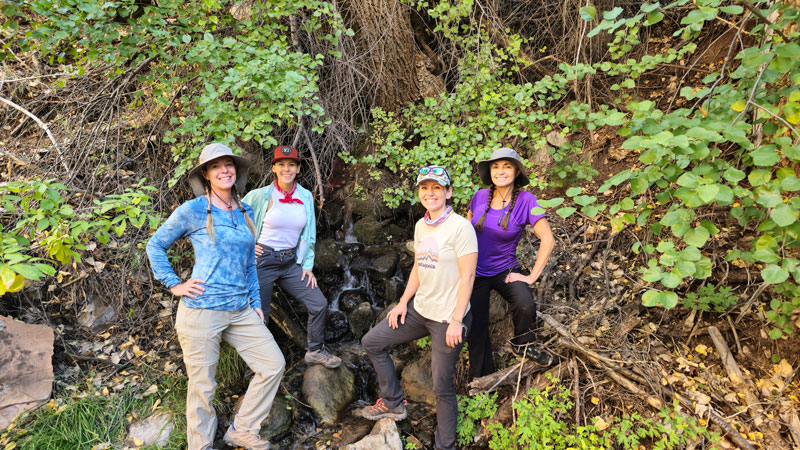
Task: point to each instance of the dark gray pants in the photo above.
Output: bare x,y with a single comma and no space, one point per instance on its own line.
282,267
443,366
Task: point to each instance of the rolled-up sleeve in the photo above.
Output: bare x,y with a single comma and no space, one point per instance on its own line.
175,227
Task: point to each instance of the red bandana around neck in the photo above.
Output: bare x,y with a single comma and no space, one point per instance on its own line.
287,196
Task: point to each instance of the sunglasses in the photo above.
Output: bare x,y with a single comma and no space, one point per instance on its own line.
435,170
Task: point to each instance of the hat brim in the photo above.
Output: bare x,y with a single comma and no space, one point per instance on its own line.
486,177
196,180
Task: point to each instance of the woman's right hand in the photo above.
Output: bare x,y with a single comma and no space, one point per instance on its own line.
191,288
399,311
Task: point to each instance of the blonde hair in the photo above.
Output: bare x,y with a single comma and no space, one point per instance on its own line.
210,220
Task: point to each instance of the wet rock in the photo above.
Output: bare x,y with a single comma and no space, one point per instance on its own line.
154,430
418,380
337,328
353,429
328,391
26,367
384,436
498,308
393,289
277,422
97,316
352,298
361,319
380,262
370,231
326,257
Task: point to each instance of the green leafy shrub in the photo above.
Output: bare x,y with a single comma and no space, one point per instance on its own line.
471,411
708,298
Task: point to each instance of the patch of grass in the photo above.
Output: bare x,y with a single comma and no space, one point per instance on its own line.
96,419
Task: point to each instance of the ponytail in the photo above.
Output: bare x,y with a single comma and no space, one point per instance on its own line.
482,220
209,220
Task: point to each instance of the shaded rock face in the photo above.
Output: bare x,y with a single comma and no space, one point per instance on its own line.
418,380
384,436
352,298
371,232
26,367
380,262
361,319
154,430
278,420
328,391
326,256
337,328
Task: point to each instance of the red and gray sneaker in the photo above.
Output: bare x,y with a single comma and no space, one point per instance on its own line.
379,410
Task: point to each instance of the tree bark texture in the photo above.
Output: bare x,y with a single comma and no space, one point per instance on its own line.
385,37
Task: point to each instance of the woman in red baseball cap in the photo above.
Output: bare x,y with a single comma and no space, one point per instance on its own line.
286,233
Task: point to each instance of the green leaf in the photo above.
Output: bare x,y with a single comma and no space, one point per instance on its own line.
759,177
588,12
696,236
765,156
708,192
669,300
551,203
733,175
566,211
790,183
774,274
651,298
592,210
573,191
584,200
639,185
28,271
688,179
775,333
537,210
672,278
783,215
732,9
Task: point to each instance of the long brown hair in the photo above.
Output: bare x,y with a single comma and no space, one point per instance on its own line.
482,220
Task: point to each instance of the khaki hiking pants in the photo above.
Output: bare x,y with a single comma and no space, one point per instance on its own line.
199,333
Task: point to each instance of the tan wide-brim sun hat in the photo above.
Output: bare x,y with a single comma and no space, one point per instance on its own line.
511,156
211,152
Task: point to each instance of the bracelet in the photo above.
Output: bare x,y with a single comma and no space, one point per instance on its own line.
459,322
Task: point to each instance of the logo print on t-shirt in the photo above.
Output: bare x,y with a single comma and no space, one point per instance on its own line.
428,253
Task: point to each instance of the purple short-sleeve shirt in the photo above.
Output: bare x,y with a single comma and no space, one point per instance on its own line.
497,248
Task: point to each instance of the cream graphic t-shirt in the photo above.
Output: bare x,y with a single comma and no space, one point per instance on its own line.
437,249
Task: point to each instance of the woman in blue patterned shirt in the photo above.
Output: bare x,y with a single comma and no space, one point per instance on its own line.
221,299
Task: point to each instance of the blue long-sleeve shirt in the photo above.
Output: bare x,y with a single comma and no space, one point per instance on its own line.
227,265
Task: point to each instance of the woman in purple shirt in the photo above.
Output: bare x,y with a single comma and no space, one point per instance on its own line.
499,215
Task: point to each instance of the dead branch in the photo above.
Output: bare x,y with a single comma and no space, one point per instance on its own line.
43,126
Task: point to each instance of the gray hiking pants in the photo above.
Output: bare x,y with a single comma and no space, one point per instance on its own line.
281,267
443,367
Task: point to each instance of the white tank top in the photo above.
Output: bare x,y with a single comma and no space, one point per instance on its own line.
282,224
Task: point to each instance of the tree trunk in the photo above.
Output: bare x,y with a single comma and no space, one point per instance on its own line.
385,37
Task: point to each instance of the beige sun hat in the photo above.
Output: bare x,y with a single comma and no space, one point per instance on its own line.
211,152
511,156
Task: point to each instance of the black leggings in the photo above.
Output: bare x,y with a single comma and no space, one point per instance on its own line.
523,313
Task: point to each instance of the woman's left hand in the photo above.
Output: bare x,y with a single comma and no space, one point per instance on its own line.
514,276
454,333
312,280
260,313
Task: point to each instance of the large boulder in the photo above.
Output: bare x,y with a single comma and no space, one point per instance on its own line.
380,262
418,380
328,391
154,430
384,436
26,367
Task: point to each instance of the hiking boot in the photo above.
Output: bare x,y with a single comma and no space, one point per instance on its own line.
245,440
379,410
323,358
531,352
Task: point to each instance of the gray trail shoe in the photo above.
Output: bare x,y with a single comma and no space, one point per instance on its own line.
323,358
379,410
245,440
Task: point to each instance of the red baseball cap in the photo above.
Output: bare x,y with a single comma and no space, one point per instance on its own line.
285,152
